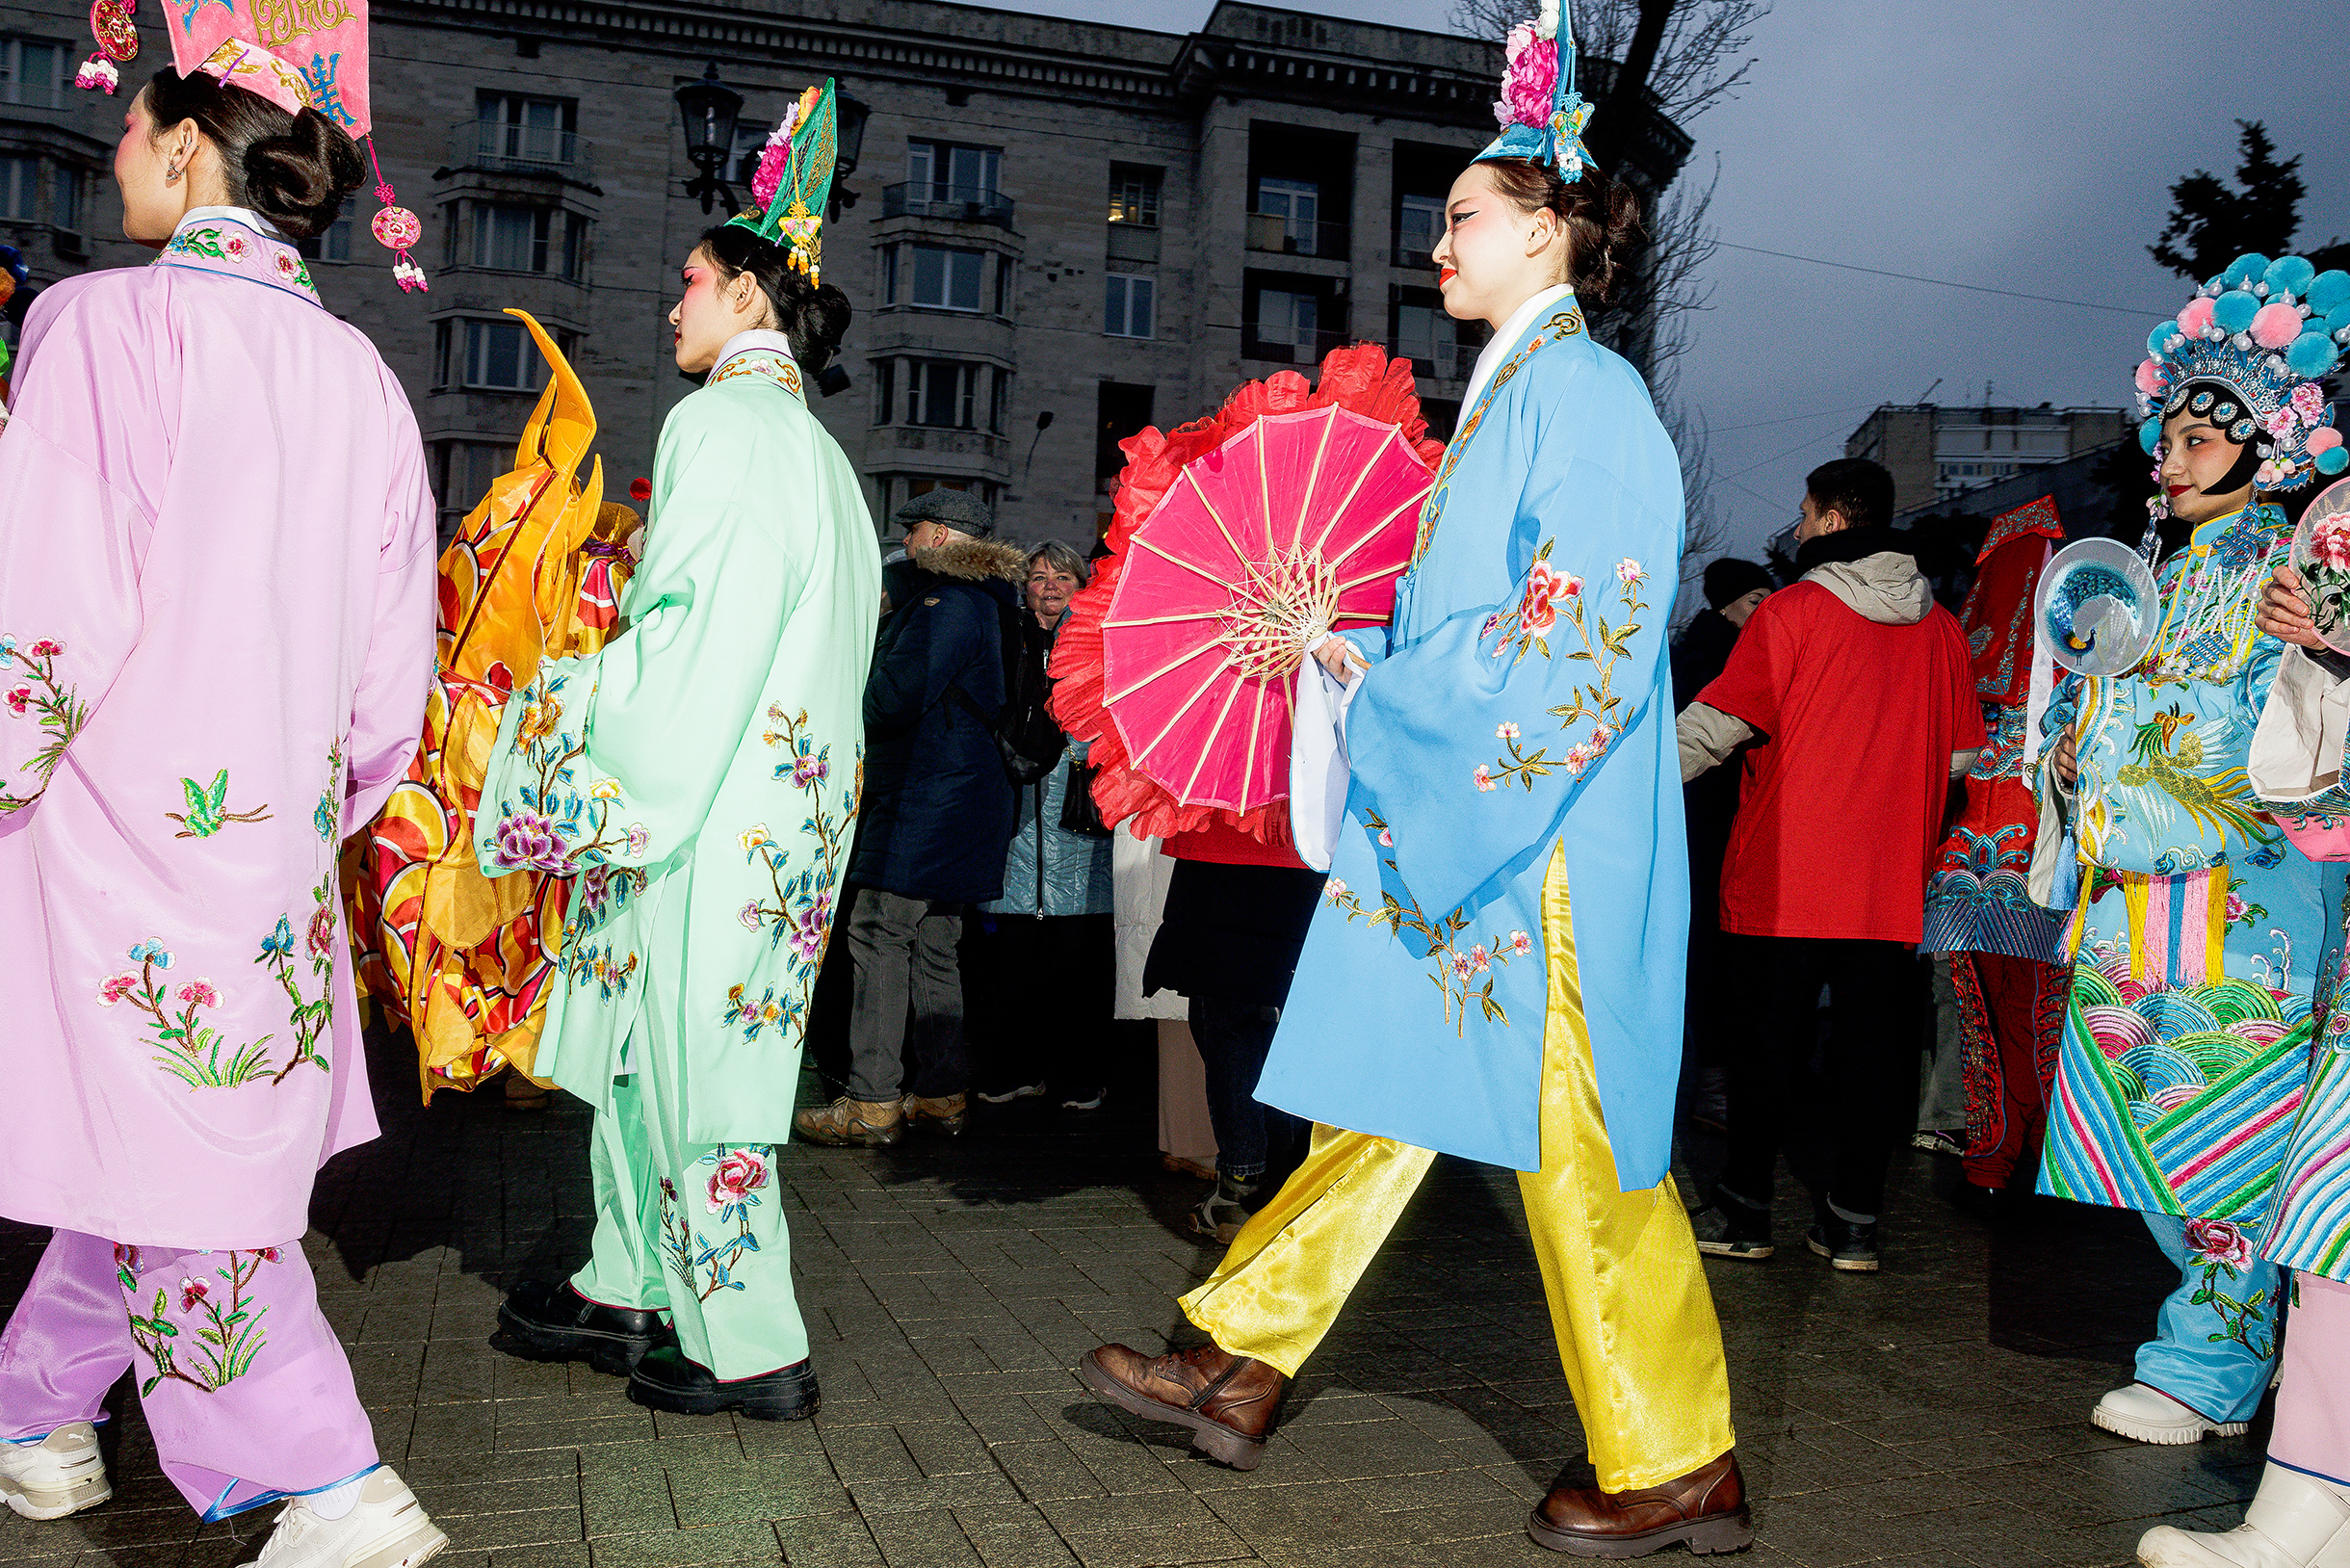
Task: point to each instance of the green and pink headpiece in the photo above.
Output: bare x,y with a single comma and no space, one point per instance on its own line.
2249,352
792,184
1542,115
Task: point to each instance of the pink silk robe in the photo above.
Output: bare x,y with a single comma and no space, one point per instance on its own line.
216,588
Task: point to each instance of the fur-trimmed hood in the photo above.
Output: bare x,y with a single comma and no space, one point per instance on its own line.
975,560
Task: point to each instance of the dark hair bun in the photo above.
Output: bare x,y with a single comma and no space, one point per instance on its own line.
814,318
1601,215
299,180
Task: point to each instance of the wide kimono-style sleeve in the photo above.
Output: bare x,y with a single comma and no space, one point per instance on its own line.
72,529
387,711
1473,742
613,758
2300,760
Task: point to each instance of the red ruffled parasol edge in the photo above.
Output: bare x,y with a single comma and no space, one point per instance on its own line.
1361,379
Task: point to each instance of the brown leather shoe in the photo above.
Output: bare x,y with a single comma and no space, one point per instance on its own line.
1227,1401
944,1114
1705,1511
867,1124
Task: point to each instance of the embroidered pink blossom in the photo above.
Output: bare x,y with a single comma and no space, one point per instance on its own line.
1505,731
2235,907
267,1254
529,842
1460,966
288,267
1484,777
320,938
115,988
46,649
741,1172
811,770
2309,403
2284,423
810,927
749,914
638,838
234,247
1521,944
2220,1242
191,1292
1387,840
1334,890
1628,571
1479,960
1527,85
1537,615
19,698
198,993
2330,542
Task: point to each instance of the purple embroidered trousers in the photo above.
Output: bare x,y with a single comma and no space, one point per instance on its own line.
245,1388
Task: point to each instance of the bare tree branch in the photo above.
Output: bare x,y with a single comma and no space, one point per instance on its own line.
1702,59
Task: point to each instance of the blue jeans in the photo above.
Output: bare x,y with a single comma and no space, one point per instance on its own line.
2214,1354
1233,1039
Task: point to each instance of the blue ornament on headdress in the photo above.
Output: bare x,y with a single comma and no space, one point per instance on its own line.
1559,141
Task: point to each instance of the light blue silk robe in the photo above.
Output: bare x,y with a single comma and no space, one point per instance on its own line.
1520,700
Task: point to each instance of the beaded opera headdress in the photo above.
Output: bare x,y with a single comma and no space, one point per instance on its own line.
2250,350
793,183
1542,115
298,53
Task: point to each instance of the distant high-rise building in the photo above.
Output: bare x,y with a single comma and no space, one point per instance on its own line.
1936,453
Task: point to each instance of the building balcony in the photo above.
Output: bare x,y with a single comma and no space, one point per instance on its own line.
1277,235
957,203
518,149
1132,242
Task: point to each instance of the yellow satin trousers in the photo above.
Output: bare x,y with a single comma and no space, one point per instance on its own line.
1638,1336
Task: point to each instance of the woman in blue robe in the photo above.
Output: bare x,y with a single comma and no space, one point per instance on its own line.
1496,971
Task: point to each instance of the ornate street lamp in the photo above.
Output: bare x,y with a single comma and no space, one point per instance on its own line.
853,116
709,109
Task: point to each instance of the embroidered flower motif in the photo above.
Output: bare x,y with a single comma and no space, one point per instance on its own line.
2235,907
2308,402
1480,960
1484,778
1491,621
115,988
1334,890
198,993
234,248
809,772
2329,542
2220,1242
280,941
191,1292
529,842
1387,840
1462,969
1521,944
288,268
1505,731
539,718
1628,571
151,951
604,789
755,836
48,649
1536,612
748,915
638,838
8,651
808,932
741,1172
19,698
267,1254
2284,423
320,938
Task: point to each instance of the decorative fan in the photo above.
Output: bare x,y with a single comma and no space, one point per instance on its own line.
2321,555
2098,606
1237,538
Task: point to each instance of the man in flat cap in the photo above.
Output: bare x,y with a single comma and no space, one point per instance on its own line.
937,816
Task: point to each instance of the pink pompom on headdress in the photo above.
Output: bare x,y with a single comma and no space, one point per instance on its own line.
1529,81
775,161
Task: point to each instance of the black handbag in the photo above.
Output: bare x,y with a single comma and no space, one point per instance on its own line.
1079,814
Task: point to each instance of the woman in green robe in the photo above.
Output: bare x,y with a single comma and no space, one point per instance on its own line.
700,774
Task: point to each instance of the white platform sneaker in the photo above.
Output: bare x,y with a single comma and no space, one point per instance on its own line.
387,1527
2295,1521
2151,1415
59,1474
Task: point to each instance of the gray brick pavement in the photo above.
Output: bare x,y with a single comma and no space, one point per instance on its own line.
1934,1415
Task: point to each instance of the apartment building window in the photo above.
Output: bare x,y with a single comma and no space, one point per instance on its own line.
1120,412
518,129
885,390
944,394
1297,204
65,197
34,72
21,188
945,279
462,473
512,238
1134,195
334,242
951,171
1286,319
1128,308
494,355
1419,219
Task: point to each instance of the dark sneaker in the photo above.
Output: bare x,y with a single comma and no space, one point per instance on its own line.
667,1380
1848,1246
1222,1213
1727,1228
540,1321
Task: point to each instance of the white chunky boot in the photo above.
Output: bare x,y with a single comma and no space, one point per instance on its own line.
386,1528
2151,1415
59,1474
2295,1521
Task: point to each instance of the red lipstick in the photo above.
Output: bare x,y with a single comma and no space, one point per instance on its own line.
2181,490
1446,274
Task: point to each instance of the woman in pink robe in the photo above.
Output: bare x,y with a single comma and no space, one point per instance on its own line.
216,633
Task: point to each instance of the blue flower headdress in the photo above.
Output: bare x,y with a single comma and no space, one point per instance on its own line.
2263,331
1542,115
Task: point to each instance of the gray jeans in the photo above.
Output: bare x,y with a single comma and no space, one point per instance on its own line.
903,949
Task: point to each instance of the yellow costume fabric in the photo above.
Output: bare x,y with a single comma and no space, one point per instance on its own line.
1628,1301
535,572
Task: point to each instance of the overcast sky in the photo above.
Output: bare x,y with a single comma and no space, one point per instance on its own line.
2026,146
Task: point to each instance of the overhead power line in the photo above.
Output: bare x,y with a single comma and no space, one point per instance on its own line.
1943,283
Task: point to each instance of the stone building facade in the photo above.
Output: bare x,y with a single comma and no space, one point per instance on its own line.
1937,453
1054,232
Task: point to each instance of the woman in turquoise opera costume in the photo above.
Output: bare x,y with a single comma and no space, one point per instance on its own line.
2206,946
700,776
1495,969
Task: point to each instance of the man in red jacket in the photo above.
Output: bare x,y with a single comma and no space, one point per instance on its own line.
1858,694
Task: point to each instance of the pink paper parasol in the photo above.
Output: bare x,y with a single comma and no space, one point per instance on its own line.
1299,521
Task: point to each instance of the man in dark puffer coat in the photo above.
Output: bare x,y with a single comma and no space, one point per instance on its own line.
937,816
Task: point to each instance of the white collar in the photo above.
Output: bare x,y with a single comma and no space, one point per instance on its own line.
1504,343
236,215
758,337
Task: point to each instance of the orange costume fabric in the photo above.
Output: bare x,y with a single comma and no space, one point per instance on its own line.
535,572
